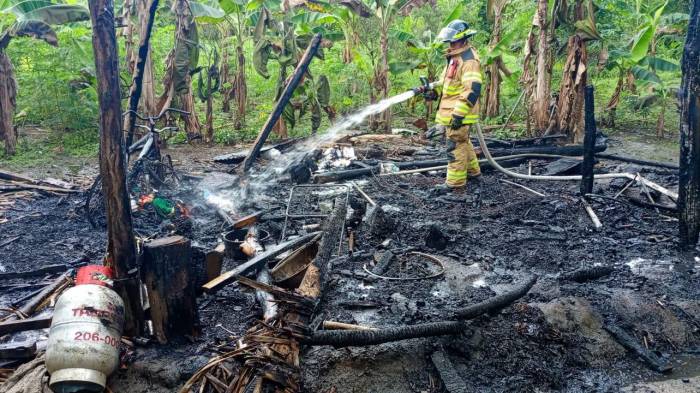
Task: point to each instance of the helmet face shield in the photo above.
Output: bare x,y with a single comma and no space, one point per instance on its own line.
455,31
447,34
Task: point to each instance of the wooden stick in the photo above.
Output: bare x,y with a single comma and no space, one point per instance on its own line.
364,195
591,214
31,305
298,73
409,171
333,325
25,324
256,262
523,187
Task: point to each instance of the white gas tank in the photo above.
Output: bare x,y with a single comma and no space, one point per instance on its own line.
83,346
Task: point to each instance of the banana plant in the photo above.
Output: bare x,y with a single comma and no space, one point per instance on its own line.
630,64
32,18
658,92
206,90
312,96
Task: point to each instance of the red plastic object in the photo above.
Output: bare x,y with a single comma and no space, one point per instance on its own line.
95,274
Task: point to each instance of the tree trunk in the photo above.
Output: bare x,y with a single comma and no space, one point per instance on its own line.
569,119
210,115
169,278
8,92
121,247
383,81
128,34
226,92
661,121
139,72
148,93
543,88
689,174
493,71
615,100
185,25
240,87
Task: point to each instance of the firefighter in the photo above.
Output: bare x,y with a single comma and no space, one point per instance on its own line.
459,104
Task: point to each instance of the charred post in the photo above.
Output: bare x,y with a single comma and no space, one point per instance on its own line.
170,287
121,246
689,173
588,144
137,82
283,100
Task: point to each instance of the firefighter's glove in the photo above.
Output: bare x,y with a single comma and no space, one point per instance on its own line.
430,95
456,122
434,131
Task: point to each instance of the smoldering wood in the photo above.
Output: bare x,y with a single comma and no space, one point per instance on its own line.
689,172
286,95
170,284
626,340
121,246
587,274
572,150
35,301
588,143
255,263
137,80
238,157
266,299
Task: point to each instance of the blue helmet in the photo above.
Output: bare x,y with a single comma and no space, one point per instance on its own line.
456,30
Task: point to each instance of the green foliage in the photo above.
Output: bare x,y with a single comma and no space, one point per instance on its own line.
56,84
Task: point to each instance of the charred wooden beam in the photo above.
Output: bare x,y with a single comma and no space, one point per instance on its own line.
18,350
450,378
588,144
627,341
689,173
286,95
587,274
121,245
256,262
34,302
617,157
25,324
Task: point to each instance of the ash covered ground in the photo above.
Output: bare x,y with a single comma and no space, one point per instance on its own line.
553,339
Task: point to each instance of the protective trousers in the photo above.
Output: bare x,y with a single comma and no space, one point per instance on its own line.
463,160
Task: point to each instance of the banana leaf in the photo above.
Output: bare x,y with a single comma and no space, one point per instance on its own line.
204,13
35,29
659,64
323,91
261,55
644,75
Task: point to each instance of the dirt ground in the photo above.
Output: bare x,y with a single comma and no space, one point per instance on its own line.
552,340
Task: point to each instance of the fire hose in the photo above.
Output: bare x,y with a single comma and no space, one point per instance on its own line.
626,175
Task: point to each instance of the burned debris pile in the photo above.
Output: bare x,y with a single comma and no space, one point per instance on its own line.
259,279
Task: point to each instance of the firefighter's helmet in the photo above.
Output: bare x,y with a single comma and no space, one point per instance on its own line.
455,31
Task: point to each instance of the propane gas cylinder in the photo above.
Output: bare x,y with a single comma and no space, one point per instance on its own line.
83,345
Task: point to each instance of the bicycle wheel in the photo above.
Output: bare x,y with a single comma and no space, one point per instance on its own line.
95,204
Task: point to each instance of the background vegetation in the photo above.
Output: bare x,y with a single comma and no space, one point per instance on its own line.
56,105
